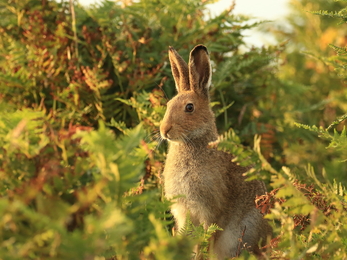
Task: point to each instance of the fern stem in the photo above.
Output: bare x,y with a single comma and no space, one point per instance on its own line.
73,25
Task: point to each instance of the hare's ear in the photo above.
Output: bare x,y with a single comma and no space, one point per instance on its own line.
200,70
179,70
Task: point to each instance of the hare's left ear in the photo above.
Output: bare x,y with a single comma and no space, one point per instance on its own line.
179,70
200,70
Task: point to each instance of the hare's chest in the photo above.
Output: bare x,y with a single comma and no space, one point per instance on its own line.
193,182
197,178
178,181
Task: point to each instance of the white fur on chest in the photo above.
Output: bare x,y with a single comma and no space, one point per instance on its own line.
198,186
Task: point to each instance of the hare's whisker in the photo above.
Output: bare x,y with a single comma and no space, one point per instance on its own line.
152,136
188,141
159,140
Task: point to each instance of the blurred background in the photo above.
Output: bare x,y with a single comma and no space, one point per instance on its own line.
271,10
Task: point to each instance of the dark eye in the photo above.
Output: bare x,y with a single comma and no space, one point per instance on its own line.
189,107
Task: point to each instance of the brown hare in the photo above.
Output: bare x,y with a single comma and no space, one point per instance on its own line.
206,183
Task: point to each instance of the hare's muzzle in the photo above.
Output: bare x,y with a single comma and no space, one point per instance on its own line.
164,131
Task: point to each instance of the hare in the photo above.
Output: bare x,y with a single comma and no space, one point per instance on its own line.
204,182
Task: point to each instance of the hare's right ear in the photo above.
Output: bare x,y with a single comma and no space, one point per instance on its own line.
179,70
200,72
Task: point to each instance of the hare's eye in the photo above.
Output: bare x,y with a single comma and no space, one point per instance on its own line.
189,107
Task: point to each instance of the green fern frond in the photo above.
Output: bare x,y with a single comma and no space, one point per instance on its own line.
339,50
339,189
332,14
319,130
337,121
339,140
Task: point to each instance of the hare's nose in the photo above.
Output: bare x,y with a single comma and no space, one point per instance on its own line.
165,132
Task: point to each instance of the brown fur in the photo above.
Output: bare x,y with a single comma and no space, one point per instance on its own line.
213,187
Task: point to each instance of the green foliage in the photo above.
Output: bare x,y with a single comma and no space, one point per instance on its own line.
201,237
322,231
72,188
67,196
325,200
338,61
337,141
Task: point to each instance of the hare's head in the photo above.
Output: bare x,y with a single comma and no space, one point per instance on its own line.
188,117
